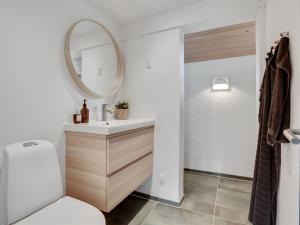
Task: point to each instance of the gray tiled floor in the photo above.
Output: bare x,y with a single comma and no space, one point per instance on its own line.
209,200
165,215
200,193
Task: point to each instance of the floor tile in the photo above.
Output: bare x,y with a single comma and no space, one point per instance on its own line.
144,213
233,199
221,221
200,198
232,205
166,215
200,192
132,210
203,181
235,185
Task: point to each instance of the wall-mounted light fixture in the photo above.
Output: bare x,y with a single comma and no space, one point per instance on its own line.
220,84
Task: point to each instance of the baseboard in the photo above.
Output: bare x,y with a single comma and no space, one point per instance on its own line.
219,174
161,200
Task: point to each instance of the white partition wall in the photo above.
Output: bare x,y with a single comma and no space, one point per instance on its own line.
154,88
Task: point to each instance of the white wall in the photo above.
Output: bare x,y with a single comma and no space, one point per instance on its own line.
1,117
157,93
285,16
205,11
260,48
1,128
1,141
220,127
38,94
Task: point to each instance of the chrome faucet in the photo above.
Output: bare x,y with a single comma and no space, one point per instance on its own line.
105,111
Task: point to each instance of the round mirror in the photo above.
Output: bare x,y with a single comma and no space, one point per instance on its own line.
94,59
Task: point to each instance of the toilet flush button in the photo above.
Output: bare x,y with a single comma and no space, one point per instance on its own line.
29,144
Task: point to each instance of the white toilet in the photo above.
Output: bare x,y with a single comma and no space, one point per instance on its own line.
32,190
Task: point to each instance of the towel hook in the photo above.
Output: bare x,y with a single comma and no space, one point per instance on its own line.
285,34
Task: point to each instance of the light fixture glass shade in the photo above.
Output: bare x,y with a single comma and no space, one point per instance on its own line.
220,84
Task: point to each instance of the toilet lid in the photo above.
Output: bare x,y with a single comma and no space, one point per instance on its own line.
66,211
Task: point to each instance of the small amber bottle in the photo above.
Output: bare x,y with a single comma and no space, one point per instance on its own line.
84,113
77,118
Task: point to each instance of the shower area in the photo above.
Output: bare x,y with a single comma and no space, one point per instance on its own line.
220,121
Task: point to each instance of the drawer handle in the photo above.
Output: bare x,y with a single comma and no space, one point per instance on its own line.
129,164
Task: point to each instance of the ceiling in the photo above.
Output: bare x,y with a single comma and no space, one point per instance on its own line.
125,11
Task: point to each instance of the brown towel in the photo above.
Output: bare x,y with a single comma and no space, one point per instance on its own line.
274,116
279,118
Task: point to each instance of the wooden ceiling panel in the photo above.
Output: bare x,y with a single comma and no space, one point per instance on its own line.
226,42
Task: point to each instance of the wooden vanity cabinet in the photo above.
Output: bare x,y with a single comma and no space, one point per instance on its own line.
104,169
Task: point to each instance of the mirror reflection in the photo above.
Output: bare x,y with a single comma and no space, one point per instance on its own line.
93,56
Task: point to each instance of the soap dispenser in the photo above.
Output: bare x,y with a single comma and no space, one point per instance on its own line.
84,113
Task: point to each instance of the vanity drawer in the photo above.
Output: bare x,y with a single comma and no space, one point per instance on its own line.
121,184
86,152
127,148
104,169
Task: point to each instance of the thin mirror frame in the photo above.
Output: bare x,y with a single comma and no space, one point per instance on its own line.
117,84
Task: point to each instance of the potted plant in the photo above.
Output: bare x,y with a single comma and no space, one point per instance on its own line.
122,109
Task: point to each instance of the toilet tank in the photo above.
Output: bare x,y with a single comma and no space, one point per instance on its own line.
31,178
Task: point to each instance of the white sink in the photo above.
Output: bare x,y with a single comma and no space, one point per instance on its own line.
109,127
